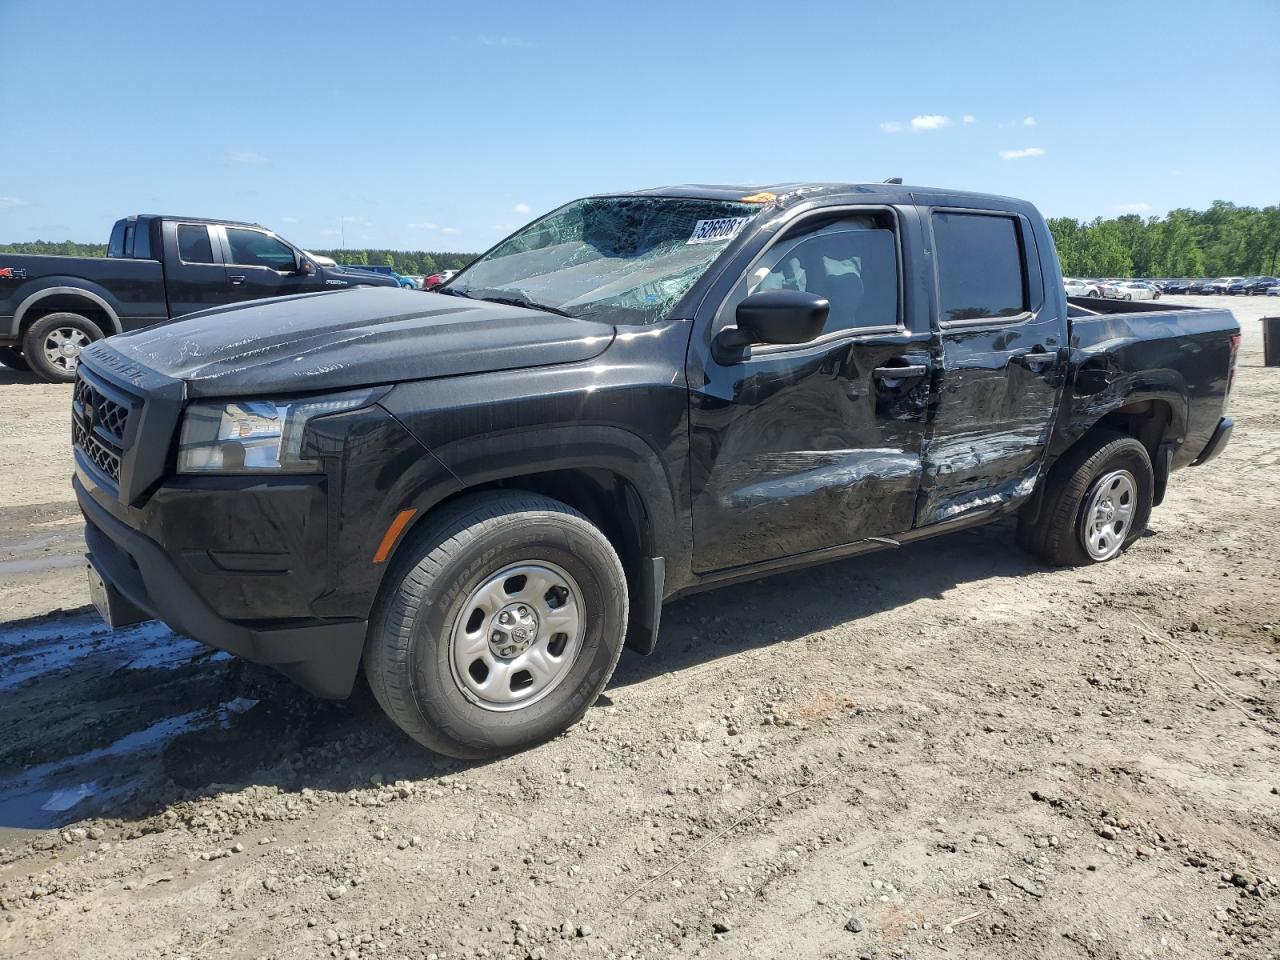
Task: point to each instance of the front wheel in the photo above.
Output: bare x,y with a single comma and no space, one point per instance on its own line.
53,344
499,625
1096,502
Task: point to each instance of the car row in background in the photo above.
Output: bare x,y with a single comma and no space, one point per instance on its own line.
1119,288
1229,286
1111,289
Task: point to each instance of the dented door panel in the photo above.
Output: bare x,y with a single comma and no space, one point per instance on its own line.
997,397
805,450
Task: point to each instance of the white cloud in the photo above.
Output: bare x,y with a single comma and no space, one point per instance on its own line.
449,230
1019,154
424,226
288,219
246,156
7,203
522,208
969,118
891,126
1138,207
932,121
502,41
1028,121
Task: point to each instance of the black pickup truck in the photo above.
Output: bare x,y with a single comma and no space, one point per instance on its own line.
156,269
482,494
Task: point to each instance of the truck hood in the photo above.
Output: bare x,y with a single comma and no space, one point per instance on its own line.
350,338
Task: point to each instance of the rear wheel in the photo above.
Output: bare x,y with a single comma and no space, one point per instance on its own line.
53,344
1096,502
498,626
12,358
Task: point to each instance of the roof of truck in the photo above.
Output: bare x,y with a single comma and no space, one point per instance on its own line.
785,194
170,216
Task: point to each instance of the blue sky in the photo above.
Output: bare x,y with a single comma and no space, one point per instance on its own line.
433,126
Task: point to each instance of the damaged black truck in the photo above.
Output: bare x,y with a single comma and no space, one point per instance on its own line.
479,496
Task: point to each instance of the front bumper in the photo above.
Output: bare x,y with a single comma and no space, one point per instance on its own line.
322,656
1221,434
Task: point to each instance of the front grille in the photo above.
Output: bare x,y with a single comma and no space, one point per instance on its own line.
99,426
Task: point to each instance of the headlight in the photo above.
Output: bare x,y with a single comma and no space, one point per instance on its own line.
251,436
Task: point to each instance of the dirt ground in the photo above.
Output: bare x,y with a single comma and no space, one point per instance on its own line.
945,750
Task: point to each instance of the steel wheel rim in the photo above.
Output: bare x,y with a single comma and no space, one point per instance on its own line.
1108,514
63,346
517,636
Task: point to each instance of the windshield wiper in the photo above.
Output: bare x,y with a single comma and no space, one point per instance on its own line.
512,301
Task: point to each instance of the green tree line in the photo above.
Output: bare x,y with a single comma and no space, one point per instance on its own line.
414,262
1224,240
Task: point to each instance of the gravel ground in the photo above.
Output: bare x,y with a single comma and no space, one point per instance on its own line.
946,750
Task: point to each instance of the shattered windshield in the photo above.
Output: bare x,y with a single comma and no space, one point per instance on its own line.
617,259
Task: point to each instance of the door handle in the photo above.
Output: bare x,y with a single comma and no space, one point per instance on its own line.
900,373
236,281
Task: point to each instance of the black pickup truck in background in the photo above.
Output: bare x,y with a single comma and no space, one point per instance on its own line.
156,269
480,494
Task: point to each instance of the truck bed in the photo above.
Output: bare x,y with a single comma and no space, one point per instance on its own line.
1130,352
132,288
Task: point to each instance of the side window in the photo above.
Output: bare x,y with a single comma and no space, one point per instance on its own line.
249,248
979,261
193,243
115,248
852,261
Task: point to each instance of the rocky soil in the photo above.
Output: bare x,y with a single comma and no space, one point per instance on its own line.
947,750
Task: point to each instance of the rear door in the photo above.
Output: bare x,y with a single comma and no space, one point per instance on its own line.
260,264
194,277
1003,338
799,448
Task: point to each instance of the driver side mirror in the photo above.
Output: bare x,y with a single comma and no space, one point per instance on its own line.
304,266
775,316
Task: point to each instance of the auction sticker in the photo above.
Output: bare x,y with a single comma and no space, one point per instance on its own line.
710,231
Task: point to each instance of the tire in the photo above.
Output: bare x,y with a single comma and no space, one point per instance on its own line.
433,599
12,358
1073,497
40,345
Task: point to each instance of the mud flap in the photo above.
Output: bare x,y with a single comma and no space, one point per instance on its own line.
646,605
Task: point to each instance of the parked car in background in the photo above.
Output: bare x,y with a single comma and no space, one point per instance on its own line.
478,500
1177,286
1260,285
1273,290
437,280
1131,290
157,268
385,271
1239,287
1080,288
1219,286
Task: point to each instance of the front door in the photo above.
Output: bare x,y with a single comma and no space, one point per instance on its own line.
1002,357
800,448
261,265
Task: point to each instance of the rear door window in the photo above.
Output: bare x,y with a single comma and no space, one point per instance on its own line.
980,266
193,243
